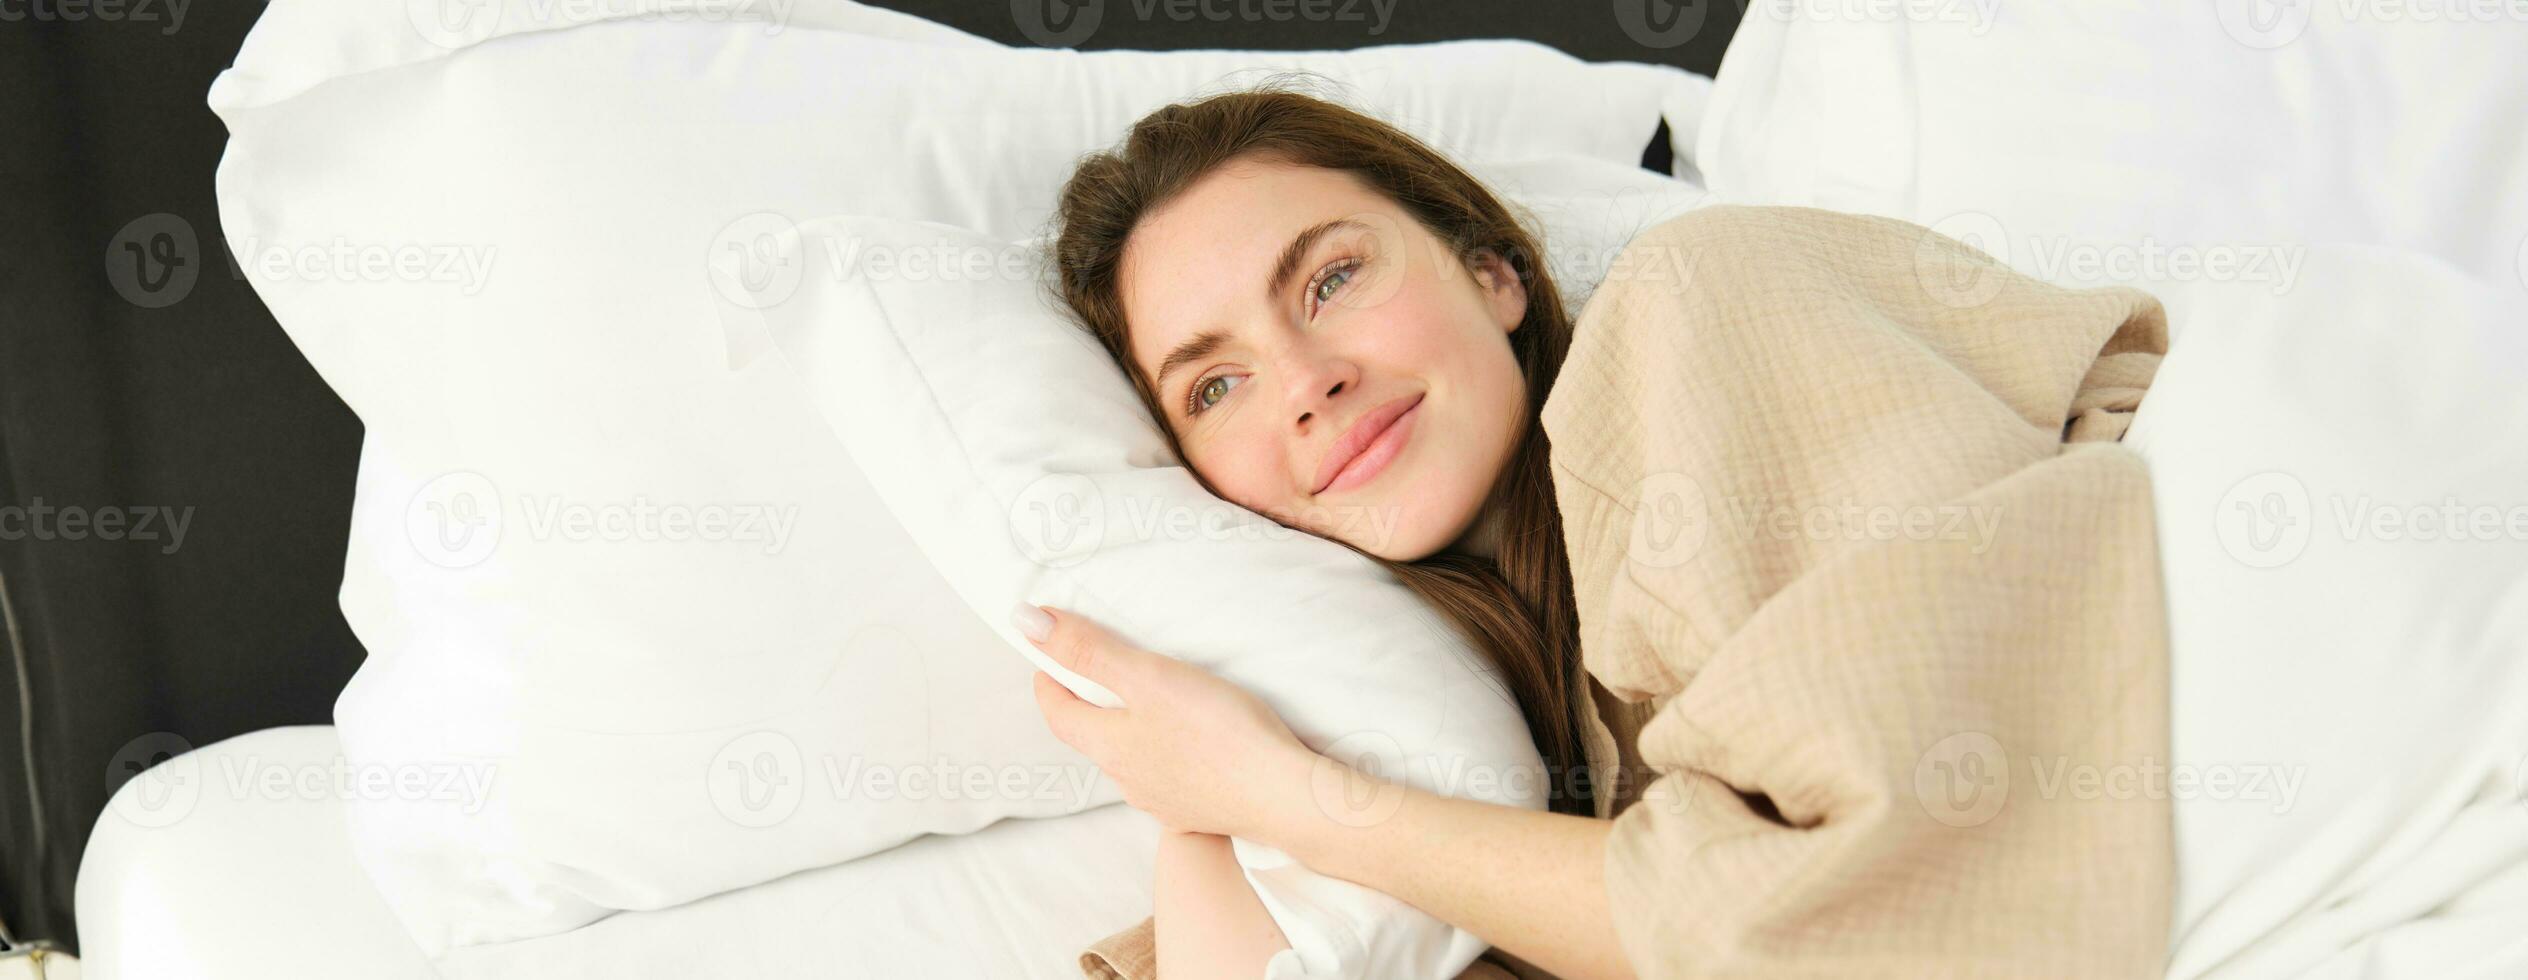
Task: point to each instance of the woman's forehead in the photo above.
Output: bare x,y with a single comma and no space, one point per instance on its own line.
1206,256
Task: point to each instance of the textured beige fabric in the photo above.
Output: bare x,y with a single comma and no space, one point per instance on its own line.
1870,594
1850,531
1132,954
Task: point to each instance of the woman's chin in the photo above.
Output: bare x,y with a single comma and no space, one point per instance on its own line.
1399,532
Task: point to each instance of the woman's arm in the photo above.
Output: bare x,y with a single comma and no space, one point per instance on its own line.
1209,922
1527,881
1201,754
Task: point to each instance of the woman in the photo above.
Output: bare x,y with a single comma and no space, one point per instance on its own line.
1462,348
1331,320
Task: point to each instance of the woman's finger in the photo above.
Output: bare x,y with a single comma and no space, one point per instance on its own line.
1077,723
1084,648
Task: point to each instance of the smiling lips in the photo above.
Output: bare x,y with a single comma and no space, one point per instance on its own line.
1365,449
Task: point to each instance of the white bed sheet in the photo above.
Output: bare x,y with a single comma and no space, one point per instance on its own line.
2349,696
244,883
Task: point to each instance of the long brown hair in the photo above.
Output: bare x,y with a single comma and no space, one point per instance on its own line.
1518,609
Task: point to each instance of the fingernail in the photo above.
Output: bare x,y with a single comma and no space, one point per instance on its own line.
1036,623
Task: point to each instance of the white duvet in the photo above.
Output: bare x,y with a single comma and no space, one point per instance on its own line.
2332,200
2341,474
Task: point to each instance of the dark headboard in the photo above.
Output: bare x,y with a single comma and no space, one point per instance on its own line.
1689,35
202,406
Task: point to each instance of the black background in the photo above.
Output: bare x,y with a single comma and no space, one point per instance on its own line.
205,405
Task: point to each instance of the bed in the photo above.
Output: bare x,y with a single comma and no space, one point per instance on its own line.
249,883
192,876
264,885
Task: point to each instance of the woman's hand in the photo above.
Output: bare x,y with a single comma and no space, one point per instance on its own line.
1199,753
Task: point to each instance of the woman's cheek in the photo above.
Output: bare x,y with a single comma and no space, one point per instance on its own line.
1251,478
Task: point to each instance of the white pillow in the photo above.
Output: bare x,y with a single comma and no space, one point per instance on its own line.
2086,143
1013,449
986,152
496,256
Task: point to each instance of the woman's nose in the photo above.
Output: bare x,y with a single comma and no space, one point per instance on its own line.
1314,385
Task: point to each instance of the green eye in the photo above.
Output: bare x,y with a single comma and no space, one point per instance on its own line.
1211,391
1332,281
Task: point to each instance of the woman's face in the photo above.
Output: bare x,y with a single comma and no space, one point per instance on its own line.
1289,314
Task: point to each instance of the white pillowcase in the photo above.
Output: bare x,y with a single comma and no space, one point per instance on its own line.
1015,453
649,598
950,128
2086,143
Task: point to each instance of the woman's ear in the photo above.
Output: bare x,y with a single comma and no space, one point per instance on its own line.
1505,294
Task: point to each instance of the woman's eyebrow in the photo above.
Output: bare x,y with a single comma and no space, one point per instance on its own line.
1298,250
1201,345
